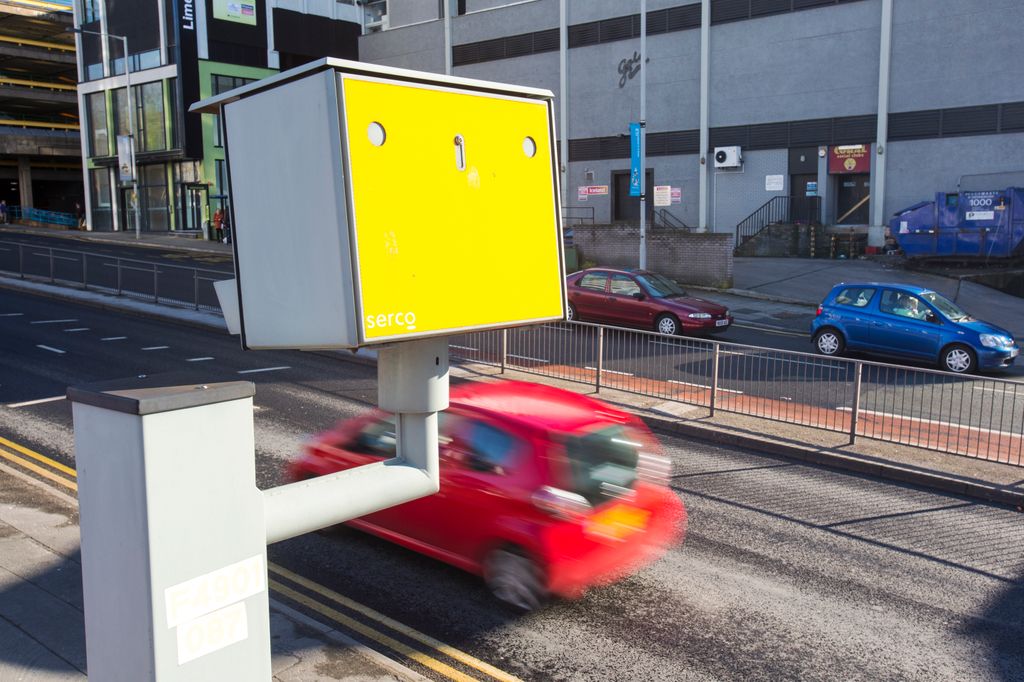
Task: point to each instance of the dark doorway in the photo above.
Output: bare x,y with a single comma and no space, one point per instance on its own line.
804,190
193,202
126,211
853,194
626,209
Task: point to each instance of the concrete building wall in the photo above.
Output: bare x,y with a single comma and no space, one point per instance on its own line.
406,13
951,54
735,194
508,20
800,65
410,47
809,64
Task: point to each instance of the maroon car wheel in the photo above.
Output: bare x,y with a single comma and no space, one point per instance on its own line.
667,324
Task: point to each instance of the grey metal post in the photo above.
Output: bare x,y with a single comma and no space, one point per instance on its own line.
504,349
563,97
855,410
643,134
705,116
714,378
876,234
600,359
195,287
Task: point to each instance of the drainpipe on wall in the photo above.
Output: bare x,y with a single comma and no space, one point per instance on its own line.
705,74
876,232
563,97
447,6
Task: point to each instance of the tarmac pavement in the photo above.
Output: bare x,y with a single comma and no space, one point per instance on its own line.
41,631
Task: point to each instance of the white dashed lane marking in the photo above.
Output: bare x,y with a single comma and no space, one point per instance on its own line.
198,359
77,329
11,314
156,348
49,348
262,369
70,319
114,338
37,402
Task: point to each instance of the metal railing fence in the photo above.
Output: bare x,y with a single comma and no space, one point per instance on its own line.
980,417
175,285
42,216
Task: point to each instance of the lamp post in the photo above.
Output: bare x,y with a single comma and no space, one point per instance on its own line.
131,118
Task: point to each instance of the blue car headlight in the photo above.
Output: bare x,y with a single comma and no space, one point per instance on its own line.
995,340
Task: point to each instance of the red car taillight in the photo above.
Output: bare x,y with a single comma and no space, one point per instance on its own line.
818,312
561,504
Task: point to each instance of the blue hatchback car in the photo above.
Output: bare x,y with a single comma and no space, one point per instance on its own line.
911,322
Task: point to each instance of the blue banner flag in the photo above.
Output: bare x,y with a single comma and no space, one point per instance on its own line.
634,159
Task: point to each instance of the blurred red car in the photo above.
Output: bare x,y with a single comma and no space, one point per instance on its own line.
644,299
543,491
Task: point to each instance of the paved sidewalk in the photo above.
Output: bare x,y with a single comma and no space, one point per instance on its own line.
42,631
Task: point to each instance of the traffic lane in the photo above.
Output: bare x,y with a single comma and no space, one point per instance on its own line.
212,261
47,345
788,572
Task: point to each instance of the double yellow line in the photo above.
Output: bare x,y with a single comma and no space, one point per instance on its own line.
31,460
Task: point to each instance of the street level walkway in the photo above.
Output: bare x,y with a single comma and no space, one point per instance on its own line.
42,630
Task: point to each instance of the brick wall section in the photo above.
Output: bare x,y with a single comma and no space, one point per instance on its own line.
691,258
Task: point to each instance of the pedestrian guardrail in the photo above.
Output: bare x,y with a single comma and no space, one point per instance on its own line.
39,215
175,285
980,417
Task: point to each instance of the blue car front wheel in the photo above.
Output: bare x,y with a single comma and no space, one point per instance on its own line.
958,358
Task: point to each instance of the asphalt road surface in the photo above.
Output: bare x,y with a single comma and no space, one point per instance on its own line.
788,571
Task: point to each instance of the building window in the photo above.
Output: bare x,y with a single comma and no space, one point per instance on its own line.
90,11
99,141
99,184
149,117
222,84
120,102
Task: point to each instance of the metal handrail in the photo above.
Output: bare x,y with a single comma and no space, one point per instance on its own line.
980,417
778,209
586,215
665,218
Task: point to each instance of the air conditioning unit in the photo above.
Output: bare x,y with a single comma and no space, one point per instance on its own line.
728,157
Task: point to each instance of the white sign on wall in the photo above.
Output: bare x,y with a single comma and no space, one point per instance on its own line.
662,195
774,183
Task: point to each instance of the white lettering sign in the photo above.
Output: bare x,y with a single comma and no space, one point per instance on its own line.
188,15
215,590
662,195
212,632
774,183
981,215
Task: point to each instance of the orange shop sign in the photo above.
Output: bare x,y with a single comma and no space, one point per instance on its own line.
849,158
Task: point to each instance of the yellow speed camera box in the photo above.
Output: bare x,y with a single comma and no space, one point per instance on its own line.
373,205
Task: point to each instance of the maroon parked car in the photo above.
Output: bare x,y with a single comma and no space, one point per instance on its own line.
640,298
